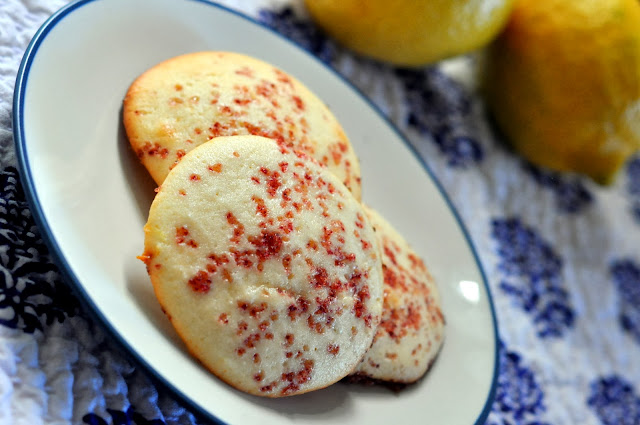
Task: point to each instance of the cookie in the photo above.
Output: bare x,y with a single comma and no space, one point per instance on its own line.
190,99
411,332
266,265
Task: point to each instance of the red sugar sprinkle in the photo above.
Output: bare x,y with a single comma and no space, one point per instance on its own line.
216,168
320,278
390,254
301,306
238,228
152,149
289,338
299,103
227,275
200,282
268,244
251,340
181,233
286,263
241,257
261,207
242,326
297,378
246,71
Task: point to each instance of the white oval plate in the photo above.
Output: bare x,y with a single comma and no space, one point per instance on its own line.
90,198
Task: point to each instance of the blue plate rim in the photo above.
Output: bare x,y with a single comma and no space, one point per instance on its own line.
47,235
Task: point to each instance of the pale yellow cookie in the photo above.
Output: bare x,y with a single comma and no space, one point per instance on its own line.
187,100
411,332
266,265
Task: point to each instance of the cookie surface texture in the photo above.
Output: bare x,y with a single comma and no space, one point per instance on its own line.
187,100
411,332
266,266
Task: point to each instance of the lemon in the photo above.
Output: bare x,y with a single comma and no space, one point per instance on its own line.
411,32
563,83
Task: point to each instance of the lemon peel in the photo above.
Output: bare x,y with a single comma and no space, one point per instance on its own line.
409,32
563,84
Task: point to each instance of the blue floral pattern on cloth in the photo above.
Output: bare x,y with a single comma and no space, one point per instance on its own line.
614,401
626,276
31,291
519,398
633,186
440,107
532,276
118,417
570,193
300,31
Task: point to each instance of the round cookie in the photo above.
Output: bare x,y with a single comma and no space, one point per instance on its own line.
187,100
266,266
411,332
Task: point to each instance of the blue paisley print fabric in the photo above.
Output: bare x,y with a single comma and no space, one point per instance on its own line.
633,187
285,21
614,400
519,396
439,107
626,276
118,417
571,194
32,293
532,277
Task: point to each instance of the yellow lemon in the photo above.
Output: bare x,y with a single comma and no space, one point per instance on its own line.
563,83
411,32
